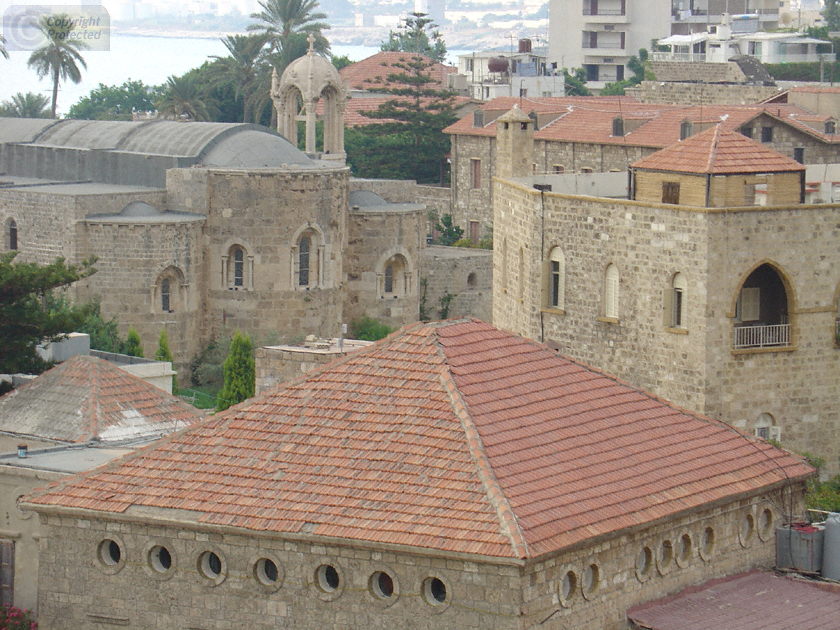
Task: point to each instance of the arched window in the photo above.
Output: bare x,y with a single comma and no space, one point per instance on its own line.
237,268
618,126
303,261
472,279
611,292
11,235
766,429
164,296
555,280
394,277
678,288
686,129
761,311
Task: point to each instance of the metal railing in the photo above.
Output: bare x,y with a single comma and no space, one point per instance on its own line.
603,45
772,336
588,11
669,56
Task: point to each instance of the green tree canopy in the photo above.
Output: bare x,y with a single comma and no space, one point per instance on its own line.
59,58
449,232
287,24
241,70
417,34
576,82
831,13
133,345
240,373
29,105
187,98
164,354
409,142
3,52
115,102
27,316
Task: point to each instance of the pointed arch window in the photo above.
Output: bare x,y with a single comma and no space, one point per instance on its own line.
304,246
555,280
761,311
164,296
238,269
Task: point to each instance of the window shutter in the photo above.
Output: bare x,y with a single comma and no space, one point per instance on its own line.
750,302
611,296
7,572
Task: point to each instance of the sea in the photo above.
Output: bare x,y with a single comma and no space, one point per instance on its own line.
148,59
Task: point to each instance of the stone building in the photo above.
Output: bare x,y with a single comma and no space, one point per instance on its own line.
451,475
602,134
686,289
203,228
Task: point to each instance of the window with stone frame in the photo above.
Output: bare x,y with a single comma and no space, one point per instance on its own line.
169,291
475,165
307,260
396,281
686,129
675,316
767,134
554,287
237,268
165,304
304,259
618,126
7,572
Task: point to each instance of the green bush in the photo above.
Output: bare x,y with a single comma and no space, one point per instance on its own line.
133,346
163,354
369,329
240,373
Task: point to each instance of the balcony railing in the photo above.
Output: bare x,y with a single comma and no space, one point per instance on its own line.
669,56
588,11
610,45
772,336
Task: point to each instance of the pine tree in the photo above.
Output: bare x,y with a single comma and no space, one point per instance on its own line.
163,354
133,346
240,373
29,316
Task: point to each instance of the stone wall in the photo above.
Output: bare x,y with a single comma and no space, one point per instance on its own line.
468,203
693,365
465,273
608,577
279,364
375,238
80,591
700,93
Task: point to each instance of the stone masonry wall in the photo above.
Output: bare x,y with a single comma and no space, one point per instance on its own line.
649,243
798,385
468,203
374,238
608,577
78,591
465,273
700,93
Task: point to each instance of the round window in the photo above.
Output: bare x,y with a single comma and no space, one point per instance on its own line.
266,572
327,578
683,552
160,559
644,560
109,553
747,529
666,554
210,565
568,587
707,543
382,585
765,523
434,591
591,579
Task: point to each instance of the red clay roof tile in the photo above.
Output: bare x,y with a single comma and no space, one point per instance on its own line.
438,452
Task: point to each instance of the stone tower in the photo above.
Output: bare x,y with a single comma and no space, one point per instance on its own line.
514,144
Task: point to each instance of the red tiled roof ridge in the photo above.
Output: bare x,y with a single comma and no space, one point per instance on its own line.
495,494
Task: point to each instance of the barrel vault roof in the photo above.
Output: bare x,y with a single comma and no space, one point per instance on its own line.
450,436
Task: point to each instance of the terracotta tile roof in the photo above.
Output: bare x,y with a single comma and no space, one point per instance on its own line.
372,72
589,119
752,601
453,436
718,151
353,116
86,397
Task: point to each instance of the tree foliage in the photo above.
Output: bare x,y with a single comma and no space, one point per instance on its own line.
115,102
133,345
831,13
576,82
241,70
409,142
59,58
637,65
164,354
187,98
449,232
369,329
286,24
27,314
417,34
240,373
29,105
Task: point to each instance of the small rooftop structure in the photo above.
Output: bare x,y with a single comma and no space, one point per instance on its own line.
86,398
752,601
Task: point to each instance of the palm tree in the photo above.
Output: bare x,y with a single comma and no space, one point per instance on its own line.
281,20
241,68
29,105
58,58
3,51
184,99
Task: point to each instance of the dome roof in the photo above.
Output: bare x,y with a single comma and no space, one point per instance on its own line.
310,74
